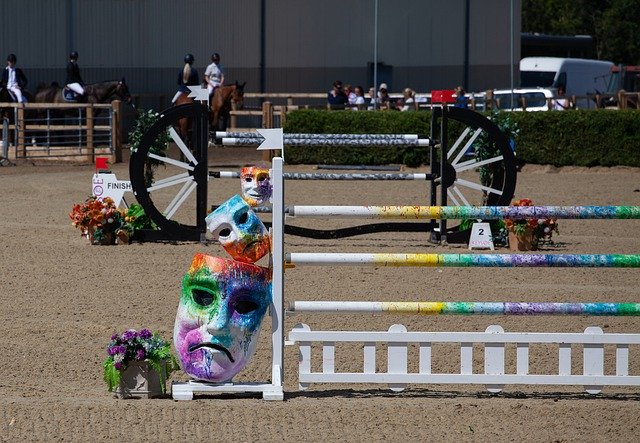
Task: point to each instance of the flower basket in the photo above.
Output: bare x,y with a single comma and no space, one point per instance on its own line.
524,241
140,380
138,364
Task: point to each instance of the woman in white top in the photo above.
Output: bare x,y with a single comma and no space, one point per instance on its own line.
213,75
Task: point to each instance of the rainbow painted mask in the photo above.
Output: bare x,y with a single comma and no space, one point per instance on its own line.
256,186
218,322
239,230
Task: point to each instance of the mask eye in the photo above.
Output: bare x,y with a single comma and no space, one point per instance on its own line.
262,177
226,232
243,218
202,297
245,306
248,179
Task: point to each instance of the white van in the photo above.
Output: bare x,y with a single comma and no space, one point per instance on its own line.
578,76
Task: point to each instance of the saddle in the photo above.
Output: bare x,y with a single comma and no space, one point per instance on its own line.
69,95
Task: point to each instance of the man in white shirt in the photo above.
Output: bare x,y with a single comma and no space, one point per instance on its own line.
213,74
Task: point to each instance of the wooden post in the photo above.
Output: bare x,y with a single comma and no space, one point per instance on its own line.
622,99
116,122
19,125
91,152
267,123
233,118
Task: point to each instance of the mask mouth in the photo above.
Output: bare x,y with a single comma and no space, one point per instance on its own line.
215,346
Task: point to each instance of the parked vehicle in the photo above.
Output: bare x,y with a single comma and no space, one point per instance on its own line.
529,99
578,76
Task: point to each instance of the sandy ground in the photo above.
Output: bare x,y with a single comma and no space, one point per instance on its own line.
62,299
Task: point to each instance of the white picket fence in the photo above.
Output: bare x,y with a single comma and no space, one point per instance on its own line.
494,340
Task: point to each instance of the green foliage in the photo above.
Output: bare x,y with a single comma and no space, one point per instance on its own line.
613,24
144,121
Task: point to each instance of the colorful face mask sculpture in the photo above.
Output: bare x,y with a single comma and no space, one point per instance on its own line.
239,230
218,322
256,186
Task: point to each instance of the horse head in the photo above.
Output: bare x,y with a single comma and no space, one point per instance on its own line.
122,91
237,95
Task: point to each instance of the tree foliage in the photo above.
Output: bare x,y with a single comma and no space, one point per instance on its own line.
613,24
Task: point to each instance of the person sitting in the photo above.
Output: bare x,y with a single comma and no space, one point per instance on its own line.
461,98
336,98
14,79
213,76
188,76
74,80
359,102
408,102
384,98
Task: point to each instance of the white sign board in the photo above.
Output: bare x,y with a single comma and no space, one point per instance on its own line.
107,185
481,237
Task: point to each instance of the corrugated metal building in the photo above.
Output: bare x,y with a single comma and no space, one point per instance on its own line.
275,46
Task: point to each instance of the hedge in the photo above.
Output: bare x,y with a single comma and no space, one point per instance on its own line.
569,138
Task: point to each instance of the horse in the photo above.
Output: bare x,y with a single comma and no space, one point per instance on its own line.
102,92
220,104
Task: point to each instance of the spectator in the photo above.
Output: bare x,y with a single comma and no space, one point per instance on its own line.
561,103
74,80
359,100
336,98
351,95
408,102
213,75
188,76
373,101
14,79
461,98
383,97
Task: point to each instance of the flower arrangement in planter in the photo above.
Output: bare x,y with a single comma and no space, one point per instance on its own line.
527,234
103,223
138,362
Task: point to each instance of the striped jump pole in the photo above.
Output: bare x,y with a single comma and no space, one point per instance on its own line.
467,212
294,259
467,308
322,140
221,134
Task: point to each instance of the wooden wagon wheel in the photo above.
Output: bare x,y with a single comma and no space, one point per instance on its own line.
174,194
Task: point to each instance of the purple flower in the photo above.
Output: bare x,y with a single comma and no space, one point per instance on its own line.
129,334
112,350
140,354
114,337
145,333
118,365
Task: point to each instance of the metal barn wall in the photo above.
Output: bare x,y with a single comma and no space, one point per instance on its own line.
307,44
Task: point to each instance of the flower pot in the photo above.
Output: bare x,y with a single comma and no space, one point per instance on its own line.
140,380
525,241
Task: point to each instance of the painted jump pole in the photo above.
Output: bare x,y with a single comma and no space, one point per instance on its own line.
470,212
334,176
465,260
467,308
221,134
328,140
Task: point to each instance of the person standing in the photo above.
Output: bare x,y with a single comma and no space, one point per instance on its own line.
213,75
561,103
74,80
14,79
188,76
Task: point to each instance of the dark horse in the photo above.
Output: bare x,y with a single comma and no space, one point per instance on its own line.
220,104
102,92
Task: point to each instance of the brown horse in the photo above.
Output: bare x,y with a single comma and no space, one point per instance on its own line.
220,104
102,92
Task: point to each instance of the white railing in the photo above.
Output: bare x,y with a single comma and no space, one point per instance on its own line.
494,340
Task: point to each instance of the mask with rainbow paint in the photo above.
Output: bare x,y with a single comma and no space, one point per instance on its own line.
256,186
239,230
219,315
